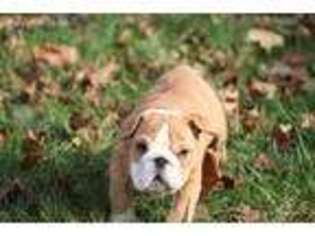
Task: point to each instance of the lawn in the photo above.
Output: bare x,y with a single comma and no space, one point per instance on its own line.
67,81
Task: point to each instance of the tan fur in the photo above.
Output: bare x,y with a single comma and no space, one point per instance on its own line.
181,90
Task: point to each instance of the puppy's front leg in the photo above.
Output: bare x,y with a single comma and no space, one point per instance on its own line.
120,196
186,199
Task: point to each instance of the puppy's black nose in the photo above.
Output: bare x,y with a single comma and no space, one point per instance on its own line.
160,162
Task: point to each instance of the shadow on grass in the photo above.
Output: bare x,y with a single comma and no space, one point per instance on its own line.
71,188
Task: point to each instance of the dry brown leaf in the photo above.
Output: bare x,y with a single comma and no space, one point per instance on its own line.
108,71
3,136
124,37
263,162
23,21
63,183
220,59
283,136
146,27
30,89
294,59
56,55
29,73
85,130
52,89
265,38
258,88
78,121
251,119
90,134
290,73
33,152
13,191
308,120
230,96
229,182
93,80
31,85
88,77
112,118
93,96
249,214
123,109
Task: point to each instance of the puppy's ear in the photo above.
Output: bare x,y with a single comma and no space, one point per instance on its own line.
195,128
130,126
199,127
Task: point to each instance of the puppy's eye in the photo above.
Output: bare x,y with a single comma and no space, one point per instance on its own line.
142,147
183,153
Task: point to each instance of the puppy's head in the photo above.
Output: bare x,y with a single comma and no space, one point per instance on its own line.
162,149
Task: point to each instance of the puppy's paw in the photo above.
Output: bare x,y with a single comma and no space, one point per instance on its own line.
127,216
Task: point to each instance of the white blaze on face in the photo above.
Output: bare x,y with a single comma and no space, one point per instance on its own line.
143,171
162,138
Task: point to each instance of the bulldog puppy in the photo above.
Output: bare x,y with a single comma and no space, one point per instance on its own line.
172,143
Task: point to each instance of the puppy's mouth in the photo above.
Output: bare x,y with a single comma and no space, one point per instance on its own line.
159,179
158,184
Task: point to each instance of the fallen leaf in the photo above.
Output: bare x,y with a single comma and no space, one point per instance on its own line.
123,109
93,96
90,134
289,74
89,77
308,120
13,191
93,80
283,136
17,45
220,59
29,73
56,55
108,71
29,91
112,118
124,37
265,38
249,214
78,121
308,23
86,132
263,162
7,22
76,141
52,89
146,26
294,59
250,119
11,22
230,96
36,135
33,152
258,88
63,183
31,83
229,182
3,135
202,213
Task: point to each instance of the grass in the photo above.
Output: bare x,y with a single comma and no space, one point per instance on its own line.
70,182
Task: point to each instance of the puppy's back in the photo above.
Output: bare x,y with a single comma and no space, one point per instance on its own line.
186,88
